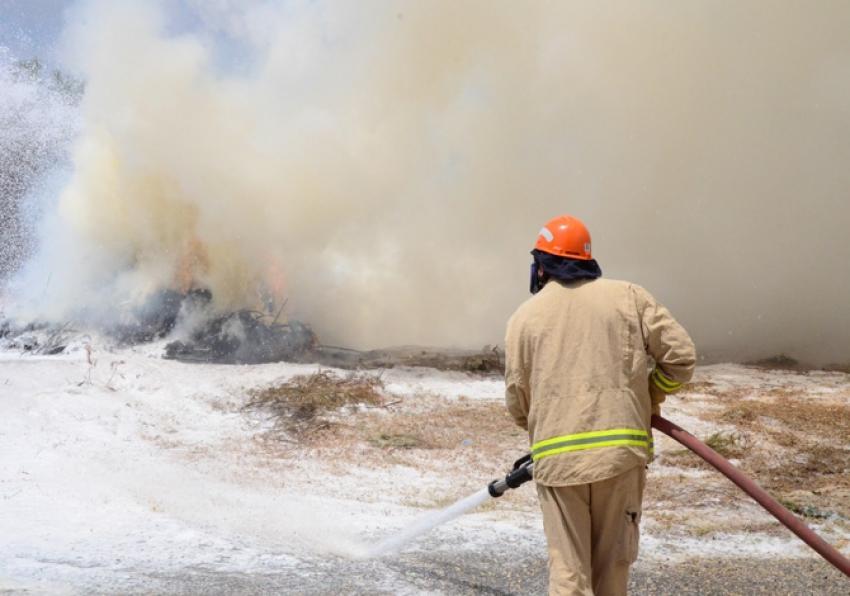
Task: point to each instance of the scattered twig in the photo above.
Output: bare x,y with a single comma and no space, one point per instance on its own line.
280,310
92,362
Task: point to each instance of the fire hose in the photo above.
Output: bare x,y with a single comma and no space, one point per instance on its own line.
523,471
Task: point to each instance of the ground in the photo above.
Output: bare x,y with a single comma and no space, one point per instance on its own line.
124,472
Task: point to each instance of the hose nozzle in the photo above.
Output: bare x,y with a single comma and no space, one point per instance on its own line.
521,473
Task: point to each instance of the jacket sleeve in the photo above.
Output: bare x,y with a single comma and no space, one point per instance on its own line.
669,345
516,376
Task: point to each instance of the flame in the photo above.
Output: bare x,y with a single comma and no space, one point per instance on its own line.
193,262
276,281
273,288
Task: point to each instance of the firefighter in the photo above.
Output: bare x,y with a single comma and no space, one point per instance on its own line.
578,356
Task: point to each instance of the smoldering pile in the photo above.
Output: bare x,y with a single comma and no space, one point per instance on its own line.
195,331
242,337
198,332
202,334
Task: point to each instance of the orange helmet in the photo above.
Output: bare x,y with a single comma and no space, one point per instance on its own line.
564,236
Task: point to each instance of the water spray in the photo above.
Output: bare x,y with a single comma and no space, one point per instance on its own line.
521,473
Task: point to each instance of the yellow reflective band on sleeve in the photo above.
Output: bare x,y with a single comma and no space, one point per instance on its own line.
592,440
663,382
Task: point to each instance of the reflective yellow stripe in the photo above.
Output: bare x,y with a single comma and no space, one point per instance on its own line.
592,440
662,379
663,382
590,434
566,448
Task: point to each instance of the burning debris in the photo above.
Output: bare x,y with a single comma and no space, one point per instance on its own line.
203,335
157,317
199,332
244,337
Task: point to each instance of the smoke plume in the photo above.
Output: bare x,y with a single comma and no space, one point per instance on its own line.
385,166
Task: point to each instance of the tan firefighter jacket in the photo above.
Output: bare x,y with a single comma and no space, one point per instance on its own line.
577,357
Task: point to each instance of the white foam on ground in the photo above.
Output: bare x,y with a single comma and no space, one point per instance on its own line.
138,463
408,382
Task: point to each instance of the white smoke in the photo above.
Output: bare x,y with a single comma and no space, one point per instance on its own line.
394,160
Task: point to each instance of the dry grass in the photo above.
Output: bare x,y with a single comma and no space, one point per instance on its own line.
793,442
777,362
424,432
303,403
785,362
470,429
398,441
446,424
813,474
489,360
794,445
805,510
729,445
699,386
472,440
685,492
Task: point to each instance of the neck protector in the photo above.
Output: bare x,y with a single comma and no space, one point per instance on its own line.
562,268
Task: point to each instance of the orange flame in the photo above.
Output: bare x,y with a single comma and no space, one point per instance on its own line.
193,260
274,287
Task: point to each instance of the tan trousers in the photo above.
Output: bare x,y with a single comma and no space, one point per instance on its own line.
592,532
